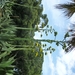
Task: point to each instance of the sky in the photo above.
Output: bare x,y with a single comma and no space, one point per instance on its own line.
59,62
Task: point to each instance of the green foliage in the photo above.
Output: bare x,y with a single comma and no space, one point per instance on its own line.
45,53
57,43
20,53
55,34
6,60
68,8
29,13
66,35
64,46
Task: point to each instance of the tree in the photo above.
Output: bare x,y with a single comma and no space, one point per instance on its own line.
71,43
69,10
28,15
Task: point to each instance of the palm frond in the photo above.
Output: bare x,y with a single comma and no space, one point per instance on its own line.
68,8
71,43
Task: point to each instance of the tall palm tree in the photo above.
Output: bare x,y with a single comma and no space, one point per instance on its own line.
68,8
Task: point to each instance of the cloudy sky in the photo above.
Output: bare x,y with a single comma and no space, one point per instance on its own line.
58,63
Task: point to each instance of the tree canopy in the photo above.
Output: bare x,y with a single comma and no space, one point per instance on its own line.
18,55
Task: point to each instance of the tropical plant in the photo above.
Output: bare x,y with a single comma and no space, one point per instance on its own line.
68,8
71,41
20,53
6,61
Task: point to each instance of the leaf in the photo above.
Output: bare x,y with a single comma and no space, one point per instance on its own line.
9,73
41,35
3,54
49,47
55,34
42,25
10,60
46,34
45,53
45,45
57,43
66,35
7,63
47,26
64,46
53,49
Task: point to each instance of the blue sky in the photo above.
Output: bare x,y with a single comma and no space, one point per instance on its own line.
57,63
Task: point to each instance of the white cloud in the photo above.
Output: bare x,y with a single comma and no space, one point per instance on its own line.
51,64
50,6
65,63
48,65
60,68
37,35
63,66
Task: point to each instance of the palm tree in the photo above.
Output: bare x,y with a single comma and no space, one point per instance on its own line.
71,42
68,8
